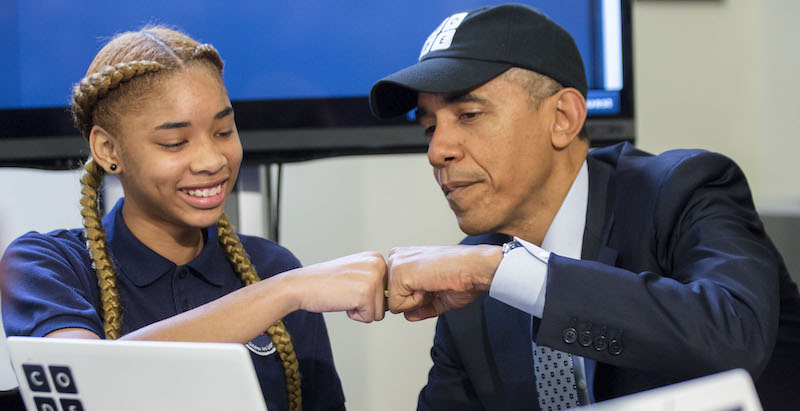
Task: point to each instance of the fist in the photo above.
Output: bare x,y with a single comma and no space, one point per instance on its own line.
425,282
353,284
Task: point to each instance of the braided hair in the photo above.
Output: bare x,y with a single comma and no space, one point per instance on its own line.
121,74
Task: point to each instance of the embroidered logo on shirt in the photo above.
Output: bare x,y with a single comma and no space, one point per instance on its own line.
442,37
261,345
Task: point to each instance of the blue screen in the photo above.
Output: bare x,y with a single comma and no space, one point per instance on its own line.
272,50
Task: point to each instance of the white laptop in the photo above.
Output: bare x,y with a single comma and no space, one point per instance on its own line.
99,375
726,391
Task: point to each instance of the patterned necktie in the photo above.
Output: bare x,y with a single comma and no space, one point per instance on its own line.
555,379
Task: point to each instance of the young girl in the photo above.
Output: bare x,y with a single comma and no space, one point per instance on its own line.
165,264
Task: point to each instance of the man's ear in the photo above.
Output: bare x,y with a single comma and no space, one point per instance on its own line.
570,114
105,150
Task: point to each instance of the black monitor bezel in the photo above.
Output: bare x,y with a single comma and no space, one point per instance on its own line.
287,130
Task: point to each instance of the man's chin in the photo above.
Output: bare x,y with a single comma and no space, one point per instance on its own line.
472,227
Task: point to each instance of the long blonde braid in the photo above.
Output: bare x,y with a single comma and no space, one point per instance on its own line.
277,332
127,58
96,243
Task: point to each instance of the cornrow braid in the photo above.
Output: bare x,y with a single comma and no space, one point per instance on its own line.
208,52
92,88
238,258
98,248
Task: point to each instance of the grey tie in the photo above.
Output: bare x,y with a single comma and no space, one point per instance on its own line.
555,379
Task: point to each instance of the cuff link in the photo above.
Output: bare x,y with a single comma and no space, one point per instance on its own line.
507,247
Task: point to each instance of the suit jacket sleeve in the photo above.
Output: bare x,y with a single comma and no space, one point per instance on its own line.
695,286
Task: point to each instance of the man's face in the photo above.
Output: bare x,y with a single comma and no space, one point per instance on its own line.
491,154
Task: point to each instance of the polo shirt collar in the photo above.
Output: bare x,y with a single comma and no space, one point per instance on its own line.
143,266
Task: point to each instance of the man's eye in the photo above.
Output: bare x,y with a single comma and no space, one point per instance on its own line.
224,133
469,115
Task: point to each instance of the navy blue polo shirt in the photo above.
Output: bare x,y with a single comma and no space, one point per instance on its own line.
49,284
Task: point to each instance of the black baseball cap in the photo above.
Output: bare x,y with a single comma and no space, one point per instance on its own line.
473,47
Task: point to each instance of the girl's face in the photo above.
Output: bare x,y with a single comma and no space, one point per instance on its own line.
179,153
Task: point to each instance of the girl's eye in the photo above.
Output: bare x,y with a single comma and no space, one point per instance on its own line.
173,145
224,133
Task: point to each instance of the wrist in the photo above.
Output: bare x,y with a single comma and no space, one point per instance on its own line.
285,291
491,255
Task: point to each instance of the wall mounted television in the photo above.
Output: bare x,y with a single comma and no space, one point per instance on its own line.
298,73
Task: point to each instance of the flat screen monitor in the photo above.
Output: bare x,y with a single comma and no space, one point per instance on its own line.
298,73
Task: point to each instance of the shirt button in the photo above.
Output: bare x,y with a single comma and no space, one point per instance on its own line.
181,274
582,384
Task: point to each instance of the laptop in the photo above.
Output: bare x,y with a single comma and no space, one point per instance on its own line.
97,375
726,391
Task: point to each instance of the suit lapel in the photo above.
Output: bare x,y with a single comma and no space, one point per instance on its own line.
599,222
509,333
599,214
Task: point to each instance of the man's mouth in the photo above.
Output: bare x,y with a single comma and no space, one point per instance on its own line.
451,189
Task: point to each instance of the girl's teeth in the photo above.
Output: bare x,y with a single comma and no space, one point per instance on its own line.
206,192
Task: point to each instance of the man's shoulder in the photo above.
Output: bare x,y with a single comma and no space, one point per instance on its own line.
629,155
634,167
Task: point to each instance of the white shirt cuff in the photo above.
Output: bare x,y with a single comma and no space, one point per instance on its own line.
521,278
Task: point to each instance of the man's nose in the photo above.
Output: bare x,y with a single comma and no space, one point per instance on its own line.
444,146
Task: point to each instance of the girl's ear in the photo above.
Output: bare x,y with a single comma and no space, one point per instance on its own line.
105,150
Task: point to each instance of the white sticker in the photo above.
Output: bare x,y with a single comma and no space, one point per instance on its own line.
426,47
454,21
439,28
444,40
442,37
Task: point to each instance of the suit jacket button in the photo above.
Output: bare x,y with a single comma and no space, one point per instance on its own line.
570,335
615,347
600,343
585,338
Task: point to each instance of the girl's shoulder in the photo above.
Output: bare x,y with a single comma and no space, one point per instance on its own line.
68,244
267,256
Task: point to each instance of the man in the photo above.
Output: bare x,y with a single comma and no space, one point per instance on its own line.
620,271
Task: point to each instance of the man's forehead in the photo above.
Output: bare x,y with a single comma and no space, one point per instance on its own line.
426,100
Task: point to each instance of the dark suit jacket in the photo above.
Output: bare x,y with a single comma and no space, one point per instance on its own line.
677,280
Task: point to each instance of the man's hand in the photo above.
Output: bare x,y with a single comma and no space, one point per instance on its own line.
425,282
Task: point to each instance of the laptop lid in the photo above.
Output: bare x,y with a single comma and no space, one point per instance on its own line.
96,375
726,391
